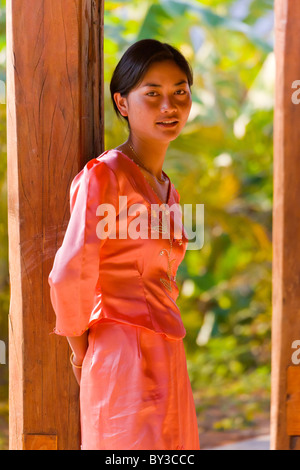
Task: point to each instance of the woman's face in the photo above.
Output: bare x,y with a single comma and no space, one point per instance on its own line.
159,107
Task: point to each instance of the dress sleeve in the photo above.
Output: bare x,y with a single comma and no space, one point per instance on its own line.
75,270
177,195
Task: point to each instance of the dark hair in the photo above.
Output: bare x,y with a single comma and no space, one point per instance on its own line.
136,61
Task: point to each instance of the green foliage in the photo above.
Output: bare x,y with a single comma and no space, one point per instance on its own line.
223,160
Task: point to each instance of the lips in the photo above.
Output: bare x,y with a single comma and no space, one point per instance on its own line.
168,123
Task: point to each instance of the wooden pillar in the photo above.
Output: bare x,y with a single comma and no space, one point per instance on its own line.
54,126
285,403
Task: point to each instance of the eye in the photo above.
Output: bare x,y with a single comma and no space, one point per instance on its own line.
181,92
152,93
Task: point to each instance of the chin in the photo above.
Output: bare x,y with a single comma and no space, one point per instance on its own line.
169,138
167,135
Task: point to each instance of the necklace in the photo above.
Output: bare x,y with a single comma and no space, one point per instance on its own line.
158,179
154,177
160,227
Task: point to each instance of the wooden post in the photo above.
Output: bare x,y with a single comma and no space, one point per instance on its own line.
285,403
54,126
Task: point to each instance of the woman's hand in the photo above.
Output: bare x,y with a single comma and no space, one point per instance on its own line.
76,366
79,345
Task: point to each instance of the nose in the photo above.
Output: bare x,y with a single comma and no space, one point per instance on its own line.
167,105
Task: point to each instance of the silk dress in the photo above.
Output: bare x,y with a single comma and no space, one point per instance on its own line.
115,275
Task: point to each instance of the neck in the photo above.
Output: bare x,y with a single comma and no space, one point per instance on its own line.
151,154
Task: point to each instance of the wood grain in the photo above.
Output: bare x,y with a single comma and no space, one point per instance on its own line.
39,442
54,126
293,401
286,219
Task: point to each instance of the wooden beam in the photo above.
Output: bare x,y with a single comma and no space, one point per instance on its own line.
293,401
286,229
54,126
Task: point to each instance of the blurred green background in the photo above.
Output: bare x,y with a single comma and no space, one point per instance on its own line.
224,160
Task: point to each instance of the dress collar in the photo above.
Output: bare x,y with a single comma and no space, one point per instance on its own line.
139,181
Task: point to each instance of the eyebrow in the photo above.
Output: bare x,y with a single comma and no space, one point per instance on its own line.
159,86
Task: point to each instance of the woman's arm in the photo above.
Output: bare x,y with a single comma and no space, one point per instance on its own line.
75,271
79,345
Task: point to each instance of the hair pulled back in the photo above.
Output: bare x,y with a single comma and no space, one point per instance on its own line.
136,61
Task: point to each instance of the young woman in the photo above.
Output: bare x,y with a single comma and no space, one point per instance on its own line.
114,293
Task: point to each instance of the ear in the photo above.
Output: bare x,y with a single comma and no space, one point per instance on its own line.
122,104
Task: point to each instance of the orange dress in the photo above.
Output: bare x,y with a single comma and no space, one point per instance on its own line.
115,274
